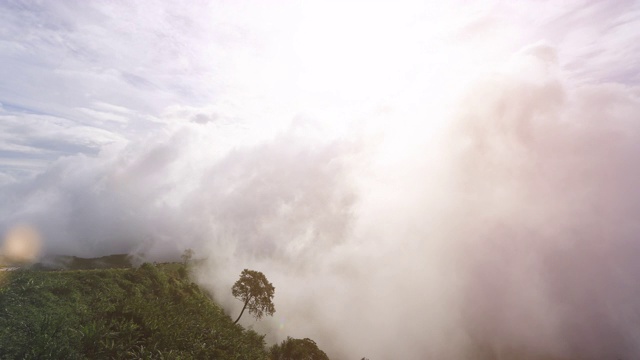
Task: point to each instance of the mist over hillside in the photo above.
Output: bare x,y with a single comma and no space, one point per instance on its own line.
488,205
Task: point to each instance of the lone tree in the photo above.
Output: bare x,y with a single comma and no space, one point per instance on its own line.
256,291
186,256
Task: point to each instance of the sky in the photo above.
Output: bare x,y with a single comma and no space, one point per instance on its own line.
459,173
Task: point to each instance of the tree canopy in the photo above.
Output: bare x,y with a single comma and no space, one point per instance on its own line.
186,256
297,349
256,292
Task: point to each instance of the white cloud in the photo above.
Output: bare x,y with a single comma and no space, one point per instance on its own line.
264,65
464,172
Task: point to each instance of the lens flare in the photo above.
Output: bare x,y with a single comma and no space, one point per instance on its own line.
21,244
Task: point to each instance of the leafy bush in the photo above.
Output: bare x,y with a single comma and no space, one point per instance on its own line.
297,349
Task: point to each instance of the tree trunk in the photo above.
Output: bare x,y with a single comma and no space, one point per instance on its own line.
241,312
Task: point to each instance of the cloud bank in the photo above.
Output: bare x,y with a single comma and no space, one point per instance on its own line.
449,188
512,230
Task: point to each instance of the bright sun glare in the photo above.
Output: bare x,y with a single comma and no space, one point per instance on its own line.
342,64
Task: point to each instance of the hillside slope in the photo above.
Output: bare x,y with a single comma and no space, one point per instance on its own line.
152,312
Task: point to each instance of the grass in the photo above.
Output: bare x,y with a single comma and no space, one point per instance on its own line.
150,312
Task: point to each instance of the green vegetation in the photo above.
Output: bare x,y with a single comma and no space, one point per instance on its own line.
297,349
186,256
117,261
256,292
152,312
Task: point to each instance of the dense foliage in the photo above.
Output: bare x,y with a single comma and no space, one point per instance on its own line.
256,292
152,312
117,261
297,349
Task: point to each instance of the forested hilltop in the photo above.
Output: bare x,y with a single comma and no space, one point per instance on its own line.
149,312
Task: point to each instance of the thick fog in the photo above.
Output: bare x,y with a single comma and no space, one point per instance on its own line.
511,227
